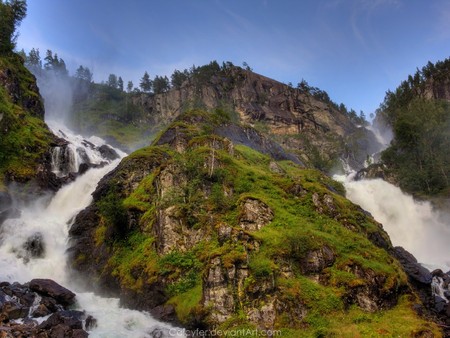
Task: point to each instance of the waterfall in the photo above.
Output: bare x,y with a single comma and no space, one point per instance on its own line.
44,226
67,158
414,225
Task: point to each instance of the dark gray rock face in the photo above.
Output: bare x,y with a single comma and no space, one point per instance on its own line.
251,138
108,153
433,288
414,270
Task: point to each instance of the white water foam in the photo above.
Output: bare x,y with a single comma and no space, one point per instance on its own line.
414,225
52,221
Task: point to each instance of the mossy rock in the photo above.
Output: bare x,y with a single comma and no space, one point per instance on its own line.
313,260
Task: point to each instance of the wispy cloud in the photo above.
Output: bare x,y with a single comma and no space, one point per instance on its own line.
362,15
442,23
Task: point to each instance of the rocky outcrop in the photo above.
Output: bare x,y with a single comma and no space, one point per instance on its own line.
433,288
438,88
22,308
314,130
215,234
26,141
21,87
251,138
376,170
254,215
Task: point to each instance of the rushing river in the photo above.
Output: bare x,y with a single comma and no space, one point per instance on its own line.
50,220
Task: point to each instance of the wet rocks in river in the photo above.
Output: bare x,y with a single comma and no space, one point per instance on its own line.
22,304
433,287
108,153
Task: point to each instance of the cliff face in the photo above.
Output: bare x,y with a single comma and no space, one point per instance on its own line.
438,89
25,139
202,229
315,130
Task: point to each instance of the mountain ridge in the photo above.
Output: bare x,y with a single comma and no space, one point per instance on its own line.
316,130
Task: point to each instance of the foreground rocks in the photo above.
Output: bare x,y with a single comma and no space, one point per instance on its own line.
432,287
40,308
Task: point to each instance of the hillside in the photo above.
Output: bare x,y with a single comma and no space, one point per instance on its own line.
418,112
201,229
25,139
303,120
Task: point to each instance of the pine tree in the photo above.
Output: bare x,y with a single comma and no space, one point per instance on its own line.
160,84
12,13
83,73
146,84
178,77
120,84
129,86
112,81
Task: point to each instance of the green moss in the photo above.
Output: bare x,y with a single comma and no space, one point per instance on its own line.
149,154
261,266
400,321
100,235
134,261
26,137
208,198
187,303
140,199
180,269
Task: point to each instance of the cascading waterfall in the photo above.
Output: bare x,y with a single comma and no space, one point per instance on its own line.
67,158
414,225
47,224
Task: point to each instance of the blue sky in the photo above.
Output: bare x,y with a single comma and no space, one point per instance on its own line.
353,49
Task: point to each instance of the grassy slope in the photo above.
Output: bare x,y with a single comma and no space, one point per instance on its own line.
134,261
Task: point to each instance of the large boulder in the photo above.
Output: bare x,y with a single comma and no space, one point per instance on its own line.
53,289
413,269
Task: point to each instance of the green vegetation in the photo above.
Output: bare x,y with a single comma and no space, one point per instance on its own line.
209,188
323,96
25,137
111,114
12,12
420,119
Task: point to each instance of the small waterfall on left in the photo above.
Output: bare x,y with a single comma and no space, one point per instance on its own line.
34,245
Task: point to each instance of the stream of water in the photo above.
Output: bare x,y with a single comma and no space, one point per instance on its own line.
414,225
50,220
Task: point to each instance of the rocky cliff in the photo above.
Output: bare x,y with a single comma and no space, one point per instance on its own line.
312,128
315,130
25,139
202,229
